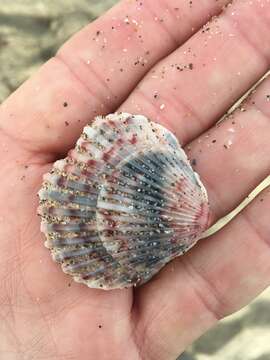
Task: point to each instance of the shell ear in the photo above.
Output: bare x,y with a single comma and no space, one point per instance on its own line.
122,204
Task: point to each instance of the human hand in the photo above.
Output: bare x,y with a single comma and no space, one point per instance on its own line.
140,58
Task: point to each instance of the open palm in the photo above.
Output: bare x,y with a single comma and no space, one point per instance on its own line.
148,57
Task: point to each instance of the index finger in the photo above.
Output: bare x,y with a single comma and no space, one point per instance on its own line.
95,70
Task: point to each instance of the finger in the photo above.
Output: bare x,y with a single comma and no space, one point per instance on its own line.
216,278
94,71
233,157
190,89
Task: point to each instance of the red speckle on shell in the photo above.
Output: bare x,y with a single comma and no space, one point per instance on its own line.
91,162
133,140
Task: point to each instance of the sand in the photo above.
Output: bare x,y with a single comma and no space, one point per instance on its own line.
30,32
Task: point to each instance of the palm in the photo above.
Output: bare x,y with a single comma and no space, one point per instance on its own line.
58,308
45,315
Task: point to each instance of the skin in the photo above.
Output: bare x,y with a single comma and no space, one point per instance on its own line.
44,315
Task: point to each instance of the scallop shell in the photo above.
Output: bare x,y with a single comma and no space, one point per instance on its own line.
122,204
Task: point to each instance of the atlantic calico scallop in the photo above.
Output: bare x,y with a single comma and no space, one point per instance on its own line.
122,204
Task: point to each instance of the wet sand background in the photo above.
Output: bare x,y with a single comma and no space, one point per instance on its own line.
30,33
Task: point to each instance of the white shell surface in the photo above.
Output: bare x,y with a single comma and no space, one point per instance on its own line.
122,204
